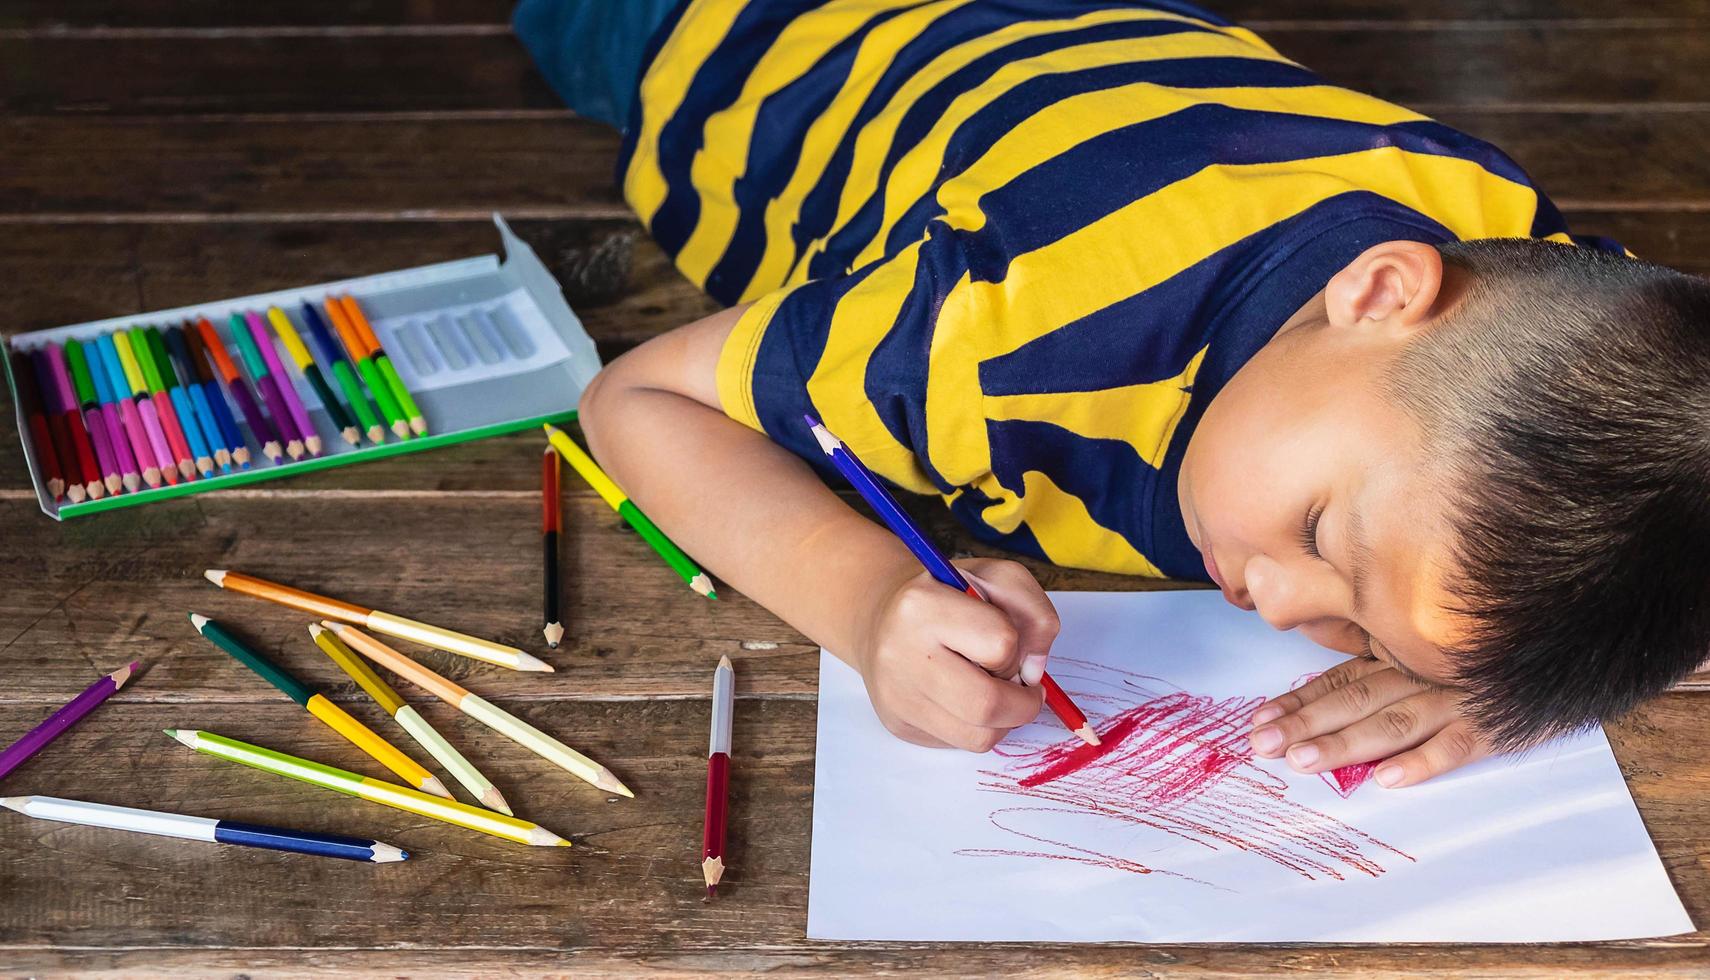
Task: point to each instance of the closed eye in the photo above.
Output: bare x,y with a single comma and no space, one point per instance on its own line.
1309,531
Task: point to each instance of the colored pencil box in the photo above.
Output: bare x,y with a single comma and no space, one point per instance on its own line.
486,347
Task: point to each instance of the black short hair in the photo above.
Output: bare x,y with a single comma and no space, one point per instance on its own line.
1565,400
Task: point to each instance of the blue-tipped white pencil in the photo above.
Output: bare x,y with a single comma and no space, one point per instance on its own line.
203,829
939,566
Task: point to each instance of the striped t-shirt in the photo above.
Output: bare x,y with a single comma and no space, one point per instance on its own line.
1008,250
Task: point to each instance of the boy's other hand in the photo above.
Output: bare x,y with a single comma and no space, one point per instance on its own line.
1364,711
943,668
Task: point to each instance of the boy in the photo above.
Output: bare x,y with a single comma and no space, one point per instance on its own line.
1130,291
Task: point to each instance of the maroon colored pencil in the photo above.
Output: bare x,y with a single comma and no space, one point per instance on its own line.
70,464
35,417
14,755
718,775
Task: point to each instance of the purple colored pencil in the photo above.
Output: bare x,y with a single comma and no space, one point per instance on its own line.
269,388
287,389
14,755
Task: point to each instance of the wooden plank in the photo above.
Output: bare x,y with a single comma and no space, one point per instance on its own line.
628,891
67,14
284,169
103,590
466,67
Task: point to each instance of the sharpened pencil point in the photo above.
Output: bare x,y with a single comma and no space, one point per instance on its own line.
151,476
351,435
76,494
198,620
1087,735
492,799
187,469
313,445
376,434
554,634
702,584
294,449
530,662
14,802
216,576
541,837
418,425
132,482
712,869
401,429
611,783
437,788
386,853
123,674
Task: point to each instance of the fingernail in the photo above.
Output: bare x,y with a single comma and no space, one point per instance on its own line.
1267,740
1388,776
1302,756
1032,668
1269,712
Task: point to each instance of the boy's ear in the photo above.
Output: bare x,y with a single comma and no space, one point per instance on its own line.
1395,286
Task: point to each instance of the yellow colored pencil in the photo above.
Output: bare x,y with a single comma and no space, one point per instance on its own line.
482,710
410,720
373,790
330,714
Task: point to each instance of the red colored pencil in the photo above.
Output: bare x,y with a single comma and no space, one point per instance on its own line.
76,474
35,417
718,775
550,523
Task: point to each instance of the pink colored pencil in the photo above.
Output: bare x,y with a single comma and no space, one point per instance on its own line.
14,755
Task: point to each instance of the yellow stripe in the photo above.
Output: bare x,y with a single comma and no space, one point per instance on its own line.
288,336
876,137
1142,415
919,168
1063,126
1065,531
128,363
823,137
697,34
452,812
735,372
729,133
1101,263
838,390
364,738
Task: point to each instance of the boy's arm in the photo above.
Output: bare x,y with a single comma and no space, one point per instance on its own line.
761,519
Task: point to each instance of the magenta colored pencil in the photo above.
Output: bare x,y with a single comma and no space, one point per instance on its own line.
281,415
14,755
287,389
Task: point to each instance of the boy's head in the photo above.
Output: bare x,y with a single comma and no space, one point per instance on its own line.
1486,463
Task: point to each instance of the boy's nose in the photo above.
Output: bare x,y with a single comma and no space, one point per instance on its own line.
1284,597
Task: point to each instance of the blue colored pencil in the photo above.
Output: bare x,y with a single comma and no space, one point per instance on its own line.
189,340
880,499
200,410
203,829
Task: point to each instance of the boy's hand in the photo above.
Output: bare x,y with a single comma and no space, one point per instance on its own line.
1362,711
940,665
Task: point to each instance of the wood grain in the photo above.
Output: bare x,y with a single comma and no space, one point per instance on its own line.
635,856
461,67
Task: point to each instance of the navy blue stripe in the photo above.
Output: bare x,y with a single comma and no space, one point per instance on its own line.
781,125
715,87
945,34
1107,475
295,841
632,128
991,122
1084,186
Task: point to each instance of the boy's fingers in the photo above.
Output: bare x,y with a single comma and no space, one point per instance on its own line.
1323,684
1360,698
1393,728
977,630
1455,746
975,698
1013,589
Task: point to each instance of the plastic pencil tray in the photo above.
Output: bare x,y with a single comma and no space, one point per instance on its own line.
486,347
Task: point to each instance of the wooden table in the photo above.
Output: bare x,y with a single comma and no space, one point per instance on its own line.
161,152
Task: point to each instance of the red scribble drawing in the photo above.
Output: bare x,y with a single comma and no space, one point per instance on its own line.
1172,762
1348,778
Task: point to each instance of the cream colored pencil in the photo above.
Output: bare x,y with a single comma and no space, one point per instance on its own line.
410,720
483,711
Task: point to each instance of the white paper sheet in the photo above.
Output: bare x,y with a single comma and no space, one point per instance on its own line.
1177,834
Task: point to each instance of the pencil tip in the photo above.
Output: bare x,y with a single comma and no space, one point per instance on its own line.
712,869
350,435
492,799
530,662
437,788
123,674
554,634
386,853
294,449
1087,735
376,434
216,576
702,584
541,837
418,425
316,629
612,784
14,802
724,663
198,620
401,429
